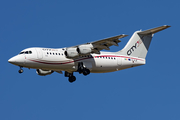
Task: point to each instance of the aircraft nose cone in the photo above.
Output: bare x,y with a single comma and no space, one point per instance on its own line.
18,60
12,60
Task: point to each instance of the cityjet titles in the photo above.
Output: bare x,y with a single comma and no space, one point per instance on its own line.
131,50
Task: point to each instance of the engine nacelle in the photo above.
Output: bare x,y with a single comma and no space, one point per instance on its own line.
85,49
71,52
44,72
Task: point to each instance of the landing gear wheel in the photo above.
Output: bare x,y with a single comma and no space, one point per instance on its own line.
20,71
82,69
72,79
86,72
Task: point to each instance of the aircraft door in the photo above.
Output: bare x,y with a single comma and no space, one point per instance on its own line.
24,55
119,61
39,53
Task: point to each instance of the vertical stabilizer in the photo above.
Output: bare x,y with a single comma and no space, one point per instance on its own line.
138,44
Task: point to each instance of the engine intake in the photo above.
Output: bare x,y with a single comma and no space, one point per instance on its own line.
71,52
44,72
84,49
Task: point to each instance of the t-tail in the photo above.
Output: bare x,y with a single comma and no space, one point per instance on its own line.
138,44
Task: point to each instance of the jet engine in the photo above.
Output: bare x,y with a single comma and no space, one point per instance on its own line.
71,52
84,49
44,72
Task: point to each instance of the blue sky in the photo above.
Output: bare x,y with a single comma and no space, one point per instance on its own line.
147,92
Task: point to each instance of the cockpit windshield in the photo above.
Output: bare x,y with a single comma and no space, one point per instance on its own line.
26,52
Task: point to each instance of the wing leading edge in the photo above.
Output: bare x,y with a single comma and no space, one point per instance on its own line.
93,47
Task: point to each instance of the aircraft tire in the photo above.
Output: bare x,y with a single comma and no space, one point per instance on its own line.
86,72
72,79
20,71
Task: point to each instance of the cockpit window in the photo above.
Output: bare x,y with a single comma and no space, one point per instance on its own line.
21,52
26,52
30,52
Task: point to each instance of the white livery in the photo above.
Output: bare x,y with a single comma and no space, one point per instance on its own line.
88,58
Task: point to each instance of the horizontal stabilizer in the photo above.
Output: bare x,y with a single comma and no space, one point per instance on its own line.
153,30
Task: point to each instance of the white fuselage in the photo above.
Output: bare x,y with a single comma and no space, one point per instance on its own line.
55,59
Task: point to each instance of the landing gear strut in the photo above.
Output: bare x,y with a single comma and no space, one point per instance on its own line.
82,69
21,70
72,78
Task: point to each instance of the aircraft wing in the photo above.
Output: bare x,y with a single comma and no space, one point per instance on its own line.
107,42
93,47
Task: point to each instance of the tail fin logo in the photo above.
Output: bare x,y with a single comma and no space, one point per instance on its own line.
132,49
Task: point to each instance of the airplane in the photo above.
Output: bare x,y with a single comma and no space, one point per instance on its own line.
88,58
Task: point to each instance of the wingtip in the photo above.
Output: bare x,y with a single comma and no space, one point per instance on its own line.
124,35
167,26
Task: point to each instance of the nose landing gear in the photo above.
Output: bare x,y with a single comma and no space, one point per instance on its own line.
21,70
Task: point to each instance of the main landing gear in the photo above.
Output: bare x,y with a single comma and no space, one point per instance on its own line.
21,70
72,78
81,69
